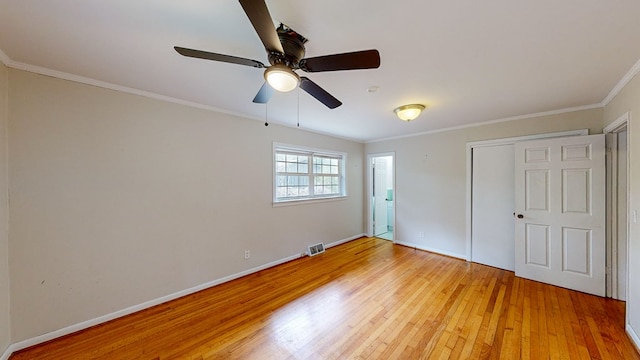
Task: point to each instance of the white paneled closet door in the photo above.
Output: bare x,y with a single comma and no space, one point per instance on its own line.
560,207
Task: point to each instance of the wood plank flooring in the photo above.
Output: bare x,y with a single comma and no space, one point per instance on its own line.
367,299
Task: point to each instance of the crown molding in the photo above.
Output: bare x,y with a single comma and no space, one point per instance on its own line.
635,69
106,85
513,118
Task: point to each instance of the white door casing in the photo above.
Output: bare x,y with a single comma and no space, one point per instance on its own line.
560,203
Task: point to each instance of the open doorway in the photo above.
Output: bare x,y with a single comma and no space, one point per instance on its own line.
382,196
617,207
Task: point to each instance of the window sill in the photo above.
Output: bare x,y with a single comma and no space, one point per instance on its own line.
308,201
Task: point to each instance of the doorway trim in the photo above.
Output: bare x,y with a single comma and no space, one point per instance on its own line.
370,191
494,142
618,125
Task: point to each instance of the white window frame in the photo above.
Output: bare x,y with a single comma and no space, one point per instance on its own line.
311,152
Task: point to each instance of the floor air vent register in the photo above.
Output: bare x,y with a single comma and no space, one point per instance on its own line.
315,249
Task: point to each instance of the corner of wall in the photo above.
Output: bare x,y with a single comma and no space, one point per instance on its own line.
5,319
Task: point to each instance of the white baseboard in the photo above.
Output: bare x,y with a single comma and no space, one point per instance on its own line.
336,243
634,336
130,310
7,353
429,249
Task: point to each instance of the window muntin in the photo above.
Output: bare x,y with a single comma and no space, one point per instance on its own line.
305,174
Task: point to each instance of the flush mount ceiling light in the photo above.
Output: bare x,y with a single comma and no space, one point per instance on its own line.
409,112
281,78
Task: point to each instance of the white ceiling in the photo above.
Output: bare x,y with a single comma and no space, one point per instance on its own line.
468,61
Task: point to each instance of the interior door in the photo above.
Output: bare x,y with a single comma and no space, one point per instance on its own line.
560,207
492,202
380,216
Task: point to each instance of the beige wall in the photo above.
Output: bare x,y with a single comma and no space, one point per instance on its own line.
628,100
5,336
431,175
118,199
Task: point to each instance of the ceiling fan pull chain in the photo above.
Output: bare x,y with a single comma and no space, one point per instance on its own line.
266,113
298,106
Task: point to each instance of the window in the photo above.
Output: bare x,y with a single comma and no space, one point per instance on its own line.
305,174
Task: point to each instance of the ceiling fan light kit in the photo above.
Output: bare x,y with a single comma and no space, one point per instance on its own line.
285,51
409,112
281,78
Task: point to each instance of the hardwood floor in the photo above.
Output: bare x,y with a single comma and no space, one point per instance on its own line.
367,299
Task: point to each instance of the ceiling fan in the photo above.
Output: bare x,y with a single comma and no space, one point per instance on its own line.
285,51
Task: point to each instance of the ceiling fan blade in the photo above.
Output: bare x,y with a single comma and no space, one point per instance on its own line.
264,94
366,59
218,57
319,93
258,14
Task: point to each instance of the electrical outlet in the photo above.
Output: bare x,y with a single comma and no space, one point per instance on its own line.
247,254
421,234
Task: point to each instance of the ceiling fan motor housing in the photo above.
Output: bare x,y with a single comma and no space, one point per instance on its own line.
293,45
